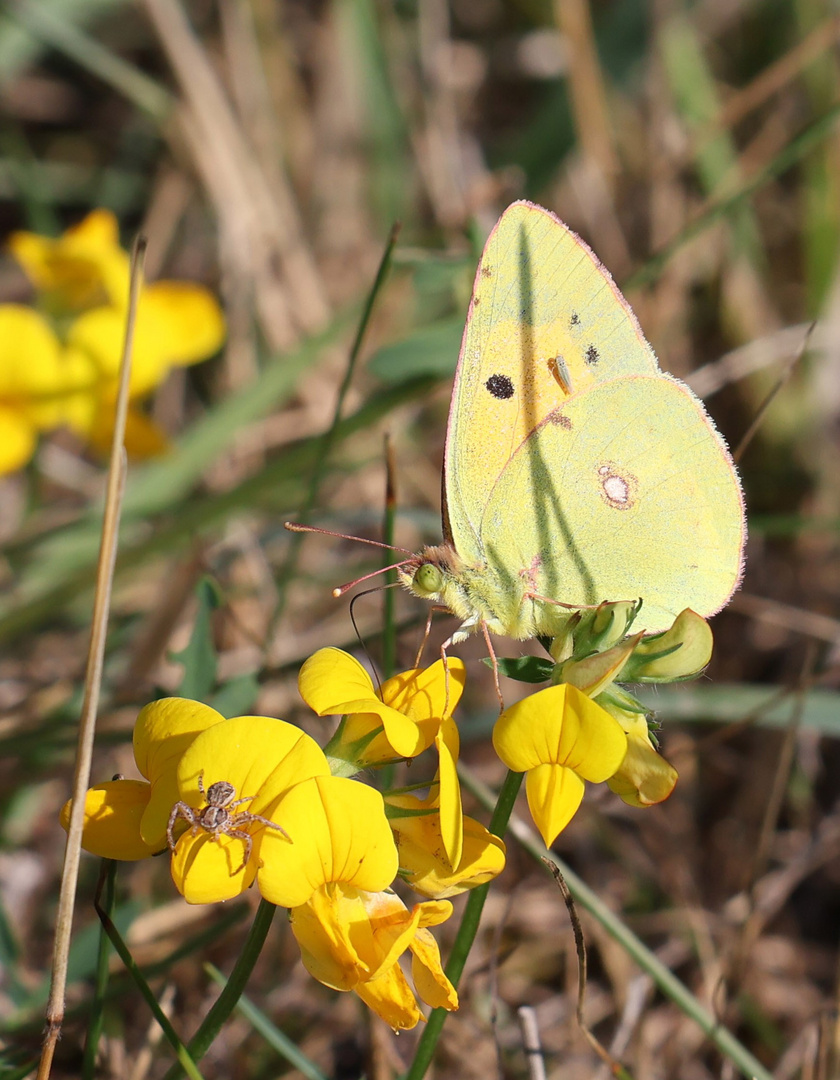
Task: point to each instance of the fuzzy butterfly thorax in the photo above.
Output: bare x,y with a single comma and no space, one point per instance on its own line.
576,471
475,594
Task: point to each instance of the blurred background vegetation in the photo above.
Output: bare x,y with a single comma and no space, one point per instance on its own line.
266,147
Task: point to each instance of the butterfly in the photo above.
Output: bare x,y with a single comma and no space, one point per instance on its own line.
575,470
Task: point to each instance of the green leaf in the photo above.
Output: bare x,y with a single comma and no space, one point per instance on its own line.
431,350
237,696
199,657
530,669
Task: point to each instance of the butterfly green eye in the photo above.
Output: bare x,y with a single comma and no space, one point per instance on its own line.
428,579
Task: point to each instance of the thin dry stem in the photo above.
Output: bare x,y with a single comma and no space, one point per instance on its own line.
93,682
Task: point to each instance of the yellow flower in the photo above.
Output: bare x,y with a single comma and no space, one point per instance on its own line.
644,777
424,863
261,759
351,939
408,715
83,268
126,819
182,747
560,737
66,372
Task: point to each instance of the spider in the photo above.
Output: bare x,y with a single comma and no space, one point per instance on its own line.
217,818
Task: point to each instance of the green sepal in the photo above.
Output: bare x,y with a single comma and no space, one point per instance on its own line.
605,626
595,673
680,653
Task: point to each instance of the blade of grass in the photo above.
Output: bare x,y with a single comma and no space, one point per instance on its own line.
124,954
280,478
64,36
667,982
108,872
327,441
809,138
93,682
270,1032
502,807
226,1001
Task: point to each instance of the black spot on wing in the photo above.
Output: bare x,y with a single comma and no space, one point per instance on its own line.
500,386
592,355
486,271
575,319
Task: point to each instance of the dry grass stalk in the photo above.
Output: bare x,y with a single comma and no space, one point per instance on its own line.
93,682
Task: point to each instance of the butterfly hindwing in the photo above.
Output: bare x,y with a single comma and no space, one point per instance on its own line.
626,491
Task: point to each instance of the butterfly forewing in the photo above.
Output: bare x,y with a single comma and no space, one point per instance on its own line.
546,323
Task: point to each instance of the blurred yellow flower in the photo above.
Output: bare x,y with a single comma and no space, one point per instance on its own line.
351,939
60,366
560,737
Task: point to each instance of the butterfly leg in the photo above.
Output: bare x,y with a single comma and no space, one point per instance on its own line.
495,662
426,632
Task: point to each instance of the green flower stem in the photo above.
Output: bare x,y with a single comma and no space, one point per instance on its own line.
466,933
226,1001
667,982
185,1060
106,885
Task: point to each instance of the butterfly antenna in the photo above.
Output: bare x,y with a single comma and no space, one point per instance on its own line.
295,527
342,589
362,644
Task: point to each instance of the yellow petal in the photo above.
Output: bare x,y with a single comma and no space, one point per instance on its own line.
428,976
260,756
423,857
340,834
208,869
85,266
330,677
163,731
332,682
113,812
392,999
17,440
562,726
449,793
31,377
554,795
99,334
644,777
143,437
421,693
186,316
322,929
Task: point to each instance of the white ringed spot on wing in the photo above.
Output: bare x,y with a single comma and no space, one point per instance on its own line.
618,486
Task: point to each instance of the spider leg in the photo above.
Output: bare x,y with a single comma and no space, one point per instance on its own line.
264,821
179,810
248,841
239,802
201,784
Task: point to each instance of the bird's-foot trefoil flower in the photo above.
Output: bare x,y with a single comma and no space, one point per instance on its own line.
410,713
424,863
559,737
351,939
